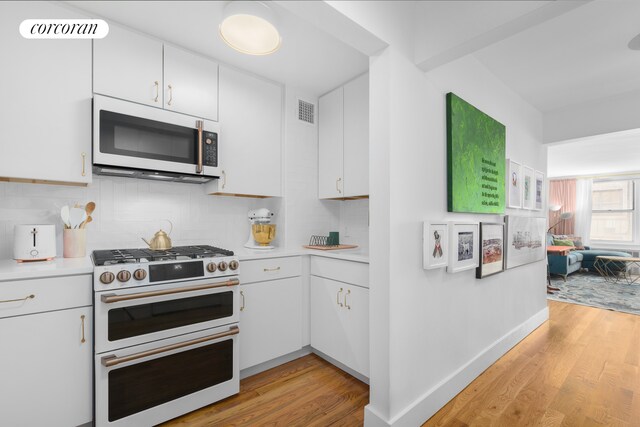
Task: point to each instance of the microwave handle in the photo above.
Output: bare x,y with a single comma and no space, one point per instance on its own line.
200,126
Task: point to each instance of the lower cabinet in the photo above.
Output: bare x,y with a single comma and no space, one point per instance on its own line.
340,322
270,320
46,368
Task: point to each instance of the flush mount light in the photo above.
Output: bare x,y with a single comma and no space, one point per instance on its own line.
634,44
250,27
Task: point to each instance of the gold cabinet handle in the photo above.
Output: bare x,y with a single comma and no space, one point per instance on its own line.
242,296
157,83
345,299
82,321
32,296
338,297
224,179
84,158
337,187
272,269
170,94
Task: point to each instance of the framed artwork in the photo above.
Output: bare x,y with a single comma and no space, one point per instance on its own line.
475,159
525,242
491,249
528,187
436,245
539,190
514,184
463,246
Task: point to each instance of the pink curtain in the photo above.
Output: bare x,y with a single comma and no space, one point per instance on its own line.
562,192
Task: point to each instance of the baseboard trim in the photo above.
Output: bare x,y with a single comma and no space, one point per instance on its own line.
438,396
253,370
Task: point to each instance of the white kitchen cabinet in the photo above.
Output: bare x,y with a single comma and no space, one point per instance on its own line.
340,322
270,320
343,140
250,136
190,83
46,369
131,66
128,65
330,145
46,101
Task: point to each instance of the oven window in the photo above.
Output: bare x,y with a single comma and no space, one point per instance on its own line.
131,321
134,388
136,137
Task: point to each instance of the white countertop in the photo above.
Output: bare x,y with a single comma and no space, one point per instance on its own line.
13,270
356,254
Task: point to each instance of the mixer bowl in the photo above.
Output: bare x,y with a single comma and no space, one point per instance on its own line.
263,234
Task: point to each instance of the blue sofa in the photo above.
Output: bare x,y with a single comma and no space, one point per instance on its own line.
578,259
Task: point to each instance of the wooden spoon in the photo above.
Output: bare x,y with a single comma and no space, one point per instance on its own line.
87,221
89,208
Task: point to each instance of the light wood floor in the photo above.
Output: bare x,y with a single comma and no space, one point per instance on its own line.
305,392
582,368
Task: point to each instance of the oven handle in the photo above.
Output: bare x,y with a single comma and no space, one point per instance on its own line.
113,360
111,298
200,126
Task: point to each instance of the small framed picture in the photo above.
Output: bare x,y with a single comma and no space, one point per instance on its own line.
463,246
539,190
491,249
436,245
528,188
514,184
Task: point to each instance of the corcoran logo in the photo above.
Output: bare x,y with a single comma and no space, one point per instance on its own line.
64,28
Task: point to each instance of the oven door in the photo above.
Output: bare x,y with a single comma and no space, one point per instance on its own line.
137,315
129,135
154,382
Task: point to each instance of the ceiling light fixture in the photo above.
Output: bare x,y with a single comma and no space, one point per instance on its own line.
250,27
634,44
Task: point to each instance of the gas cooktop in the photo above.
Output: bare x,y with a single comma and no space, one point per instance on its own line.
124,256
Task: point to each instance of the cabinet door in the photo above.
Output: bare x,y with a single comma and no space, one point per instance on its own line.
250,141
340,322
330,145
46,369
356,137
127,65
270,320
46,100
190,83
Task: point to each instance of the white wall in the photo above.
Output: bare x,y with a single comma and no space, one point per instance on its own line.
444,329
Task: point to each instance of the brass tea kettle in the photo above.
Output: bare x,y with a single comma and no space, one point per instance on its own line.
160,241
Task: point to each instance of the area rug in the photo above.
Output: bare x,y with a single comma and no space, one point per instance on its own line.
592,290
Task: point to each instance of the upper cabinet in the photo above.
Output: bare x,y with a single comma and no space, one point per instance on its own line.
251,136
141,69
46,101
343,134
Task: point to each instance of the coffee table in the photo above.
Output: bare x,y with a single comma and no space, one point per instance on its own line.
616,268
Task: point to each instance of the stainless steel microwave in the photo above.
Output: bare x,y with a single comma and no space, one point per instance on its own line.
139,141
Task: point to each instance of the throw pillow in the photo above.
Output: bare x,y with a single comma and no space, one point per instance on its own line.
560,242
577,242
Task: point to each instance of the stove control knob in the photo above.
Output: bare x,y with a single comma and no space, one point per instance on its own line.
233,265
212,267
107,277
139,274
222,266
124,276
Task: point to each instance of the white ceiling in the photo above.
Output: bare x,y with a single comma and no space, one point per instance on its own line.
309,57
577,57
613,153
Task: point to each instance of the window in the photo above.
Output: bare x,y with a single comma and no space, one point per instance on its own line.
612,213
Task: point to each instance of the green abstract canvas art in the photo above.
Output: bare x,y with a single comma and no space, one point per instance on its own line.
475,159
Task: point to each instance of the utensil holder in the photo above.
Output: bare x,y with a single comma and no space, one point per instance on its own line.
74,243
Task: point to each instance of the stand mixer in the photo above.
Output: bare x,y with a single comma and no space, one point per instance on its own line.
262,231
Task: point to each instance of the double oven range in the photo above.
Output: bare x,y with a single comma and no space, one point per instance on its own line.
166,332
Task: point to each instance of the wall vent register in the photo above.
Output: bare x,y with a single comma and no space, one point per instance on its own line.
306,111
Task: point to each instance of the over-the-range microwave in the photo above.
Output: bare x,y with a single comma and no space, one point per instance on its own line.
140,141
